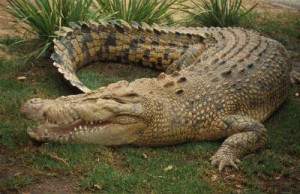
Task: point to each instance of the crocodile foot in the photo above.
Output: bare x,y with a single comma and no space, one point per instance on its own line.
224,159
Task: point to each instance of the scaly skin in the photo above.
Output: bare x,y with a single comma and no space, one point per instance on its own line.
153,47
223,83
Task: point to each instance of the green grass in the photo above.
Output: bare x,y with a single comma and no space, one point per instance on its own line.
148,11
110,73
15,182
173,169
284,27
217,13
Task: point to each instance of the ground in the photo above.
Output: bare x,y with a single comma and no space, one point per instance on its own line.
30,167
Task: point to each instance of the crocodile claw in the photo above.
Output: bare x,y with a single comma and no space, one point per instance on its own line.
224,160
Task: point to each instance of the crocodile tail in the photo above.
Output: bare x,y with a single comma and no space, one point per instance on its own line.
151,46
74,49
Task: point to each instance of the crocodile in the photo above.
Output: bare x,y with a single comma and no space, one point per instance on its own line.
216,83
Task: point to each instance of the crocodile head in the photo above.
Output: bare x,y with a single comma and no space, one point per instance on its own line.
113,115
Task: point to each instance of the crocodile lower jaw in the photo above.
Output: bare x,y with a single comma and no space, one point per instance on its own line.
63,133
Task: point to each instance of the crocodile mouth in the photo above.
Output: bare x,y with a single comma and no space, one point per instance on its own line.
63,133
92,120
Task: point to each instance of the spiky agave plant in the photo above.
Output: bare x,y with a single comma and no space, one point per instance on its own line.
148,11
221,13
44,17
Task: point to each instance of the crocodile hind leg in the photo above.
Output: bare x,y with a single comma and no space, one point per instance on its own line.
245,136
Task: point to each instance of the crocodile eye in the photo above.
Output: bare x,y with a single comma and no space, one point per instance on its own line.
131,94
34,100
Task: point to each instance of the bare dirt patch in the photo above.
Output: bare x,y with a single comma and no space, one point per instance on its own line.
16,175
293,4
7,23
60,184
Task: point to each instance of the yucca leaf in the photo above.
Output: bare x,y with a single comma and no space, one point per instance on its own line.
44,17
217,12
148,11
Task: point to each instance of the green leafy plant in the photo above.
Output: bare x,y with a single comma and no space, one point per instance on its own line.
44,17
221,13
148,11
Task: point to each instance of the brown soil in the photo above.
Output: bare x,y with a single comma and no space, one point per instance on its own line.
57,184
7,23
13,169
8,28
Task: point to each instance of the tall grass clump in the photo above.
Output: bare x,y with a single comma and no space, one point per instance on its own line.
43,18
148,11
220,13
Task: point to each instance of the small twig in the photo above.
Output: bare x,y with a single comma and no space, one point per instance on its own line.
55,157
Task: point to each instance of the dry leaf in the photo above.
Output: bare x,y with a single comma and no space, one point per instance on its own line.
239,186
214,177
18,173
145,156
168,168
96,186
22,78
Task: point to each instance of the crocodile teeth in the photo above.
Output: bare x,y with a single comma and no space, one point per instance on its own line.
92,122
75,129
80,127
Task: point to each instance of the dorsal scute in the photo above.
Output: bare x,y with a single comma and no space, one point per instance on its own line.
85,27
147,27
125,25
74,26
135,25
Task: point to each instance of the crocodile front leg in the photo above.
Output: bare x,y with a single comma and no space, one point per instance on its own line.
246,136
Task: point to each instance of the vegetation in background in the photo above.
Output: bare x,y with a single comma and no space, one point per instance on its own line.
43,18
148,11
283,27
222,13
